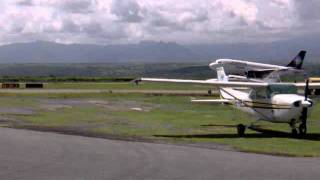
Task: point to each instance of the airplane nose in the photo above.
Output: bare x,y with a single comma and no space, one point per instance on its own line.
303,103
306,103
296,104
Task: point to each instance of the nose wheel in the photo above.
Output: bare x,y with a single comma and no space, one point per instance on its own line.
300,131
304,113
294,132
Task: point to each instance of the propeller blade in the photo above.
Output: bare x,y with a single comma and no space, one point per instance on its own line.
303,125
304,115
306,90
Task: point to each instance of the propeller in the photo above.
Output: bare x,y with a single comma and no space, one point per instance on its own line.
306,90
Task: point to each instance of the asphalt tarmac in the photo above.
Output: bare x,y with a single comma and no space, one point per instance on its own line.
37,155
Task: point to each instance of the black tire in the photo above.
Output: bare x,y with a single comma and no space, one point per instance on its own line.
294,133
302,130
241,129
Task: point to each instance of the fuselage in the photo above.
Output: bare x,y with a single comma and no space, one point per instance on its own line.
269,106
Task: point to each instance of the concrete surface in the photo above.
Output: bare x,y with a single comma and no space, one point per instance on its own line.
37,155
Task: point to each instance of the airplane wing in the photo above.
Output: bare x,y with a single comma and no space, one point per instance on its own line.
217,83
207,82
311,85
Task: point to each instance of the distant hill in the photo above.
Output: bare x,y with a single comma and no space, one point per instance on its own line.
125,70
48,52
158,52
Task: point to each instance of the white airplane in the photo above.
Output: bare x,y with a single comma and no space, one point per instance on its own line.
251,71
273,102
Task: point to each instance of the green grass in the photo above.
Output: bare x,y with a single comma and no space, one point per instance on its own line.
167,118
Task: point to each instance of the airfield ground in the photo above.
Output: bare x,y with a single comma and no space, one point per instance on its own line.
122,86
151,118
31,155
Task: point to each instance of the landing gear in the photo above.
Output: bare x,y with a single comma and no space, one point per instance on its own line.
294,132
241,129
302,129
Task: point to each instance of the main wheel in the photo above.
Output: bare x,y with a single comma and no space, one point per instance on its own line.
241,129
294,133
302,129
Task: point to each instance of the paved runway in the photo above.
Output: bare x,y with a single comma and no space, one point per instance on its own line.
37,155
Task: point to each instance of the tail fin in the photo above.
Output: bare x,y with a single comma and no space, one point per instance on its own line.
222,75
298,60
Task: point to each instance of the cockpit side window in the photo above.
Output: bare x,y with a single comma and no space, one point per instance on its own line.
253,94
258,94
261,94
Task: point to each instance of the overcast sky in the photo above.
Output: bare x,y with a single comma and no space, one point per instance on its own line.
182,21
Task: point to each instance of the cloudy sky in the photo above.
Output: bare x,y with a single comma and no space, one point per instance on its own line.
132,21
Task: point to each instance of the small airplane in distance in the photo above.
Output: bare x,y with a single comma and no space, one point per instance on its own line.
251,71
273,102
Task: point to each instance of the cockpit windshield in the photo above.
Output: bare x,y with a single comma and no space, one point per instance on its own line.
271,90
281,89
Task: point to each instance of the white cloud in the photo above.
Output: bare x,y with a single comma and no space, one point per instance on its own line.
127,10
122,21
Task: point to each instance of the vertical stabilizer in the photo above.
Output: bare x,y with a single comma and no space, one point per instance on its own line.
298,60
221,74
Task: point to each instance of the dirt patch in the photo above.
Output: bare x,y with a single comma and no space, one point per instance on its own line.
56,104
54,107
68,102
16,111
123,105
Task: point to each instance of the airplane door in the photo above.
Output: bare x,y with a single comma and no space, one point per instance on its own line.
261,104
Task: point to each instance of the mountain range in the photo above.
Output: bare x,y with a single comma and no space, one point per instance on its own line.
279,52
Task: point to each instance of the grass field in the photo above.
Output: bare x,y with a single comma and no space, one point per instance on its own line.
170,119
125,85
